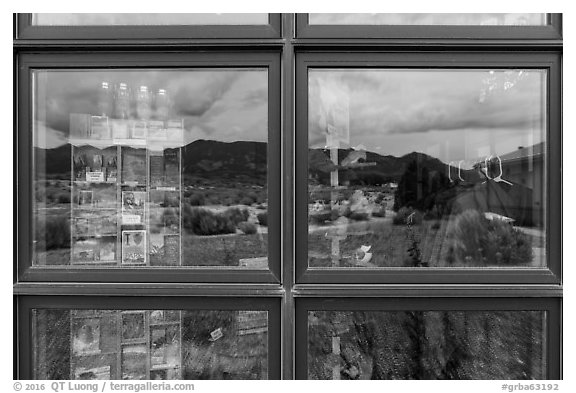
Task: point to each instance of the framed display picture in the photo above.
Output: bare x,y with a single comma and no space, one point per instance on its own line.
86,336
134,247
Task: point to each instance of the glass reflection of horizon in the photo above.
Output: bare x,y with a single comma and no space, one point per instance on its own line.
405,166
151,168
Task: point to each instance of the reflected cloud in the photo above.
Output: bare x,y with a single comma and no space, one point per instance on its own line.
387,107
224,105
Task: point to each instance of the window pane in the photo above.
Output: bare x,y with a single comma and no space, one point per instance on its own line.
151,344
426,345
150,168
426,168
54,19
430,19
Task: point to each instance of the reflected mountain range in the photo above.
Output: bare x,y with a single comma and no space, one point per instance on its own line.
376,168
203,158
210,158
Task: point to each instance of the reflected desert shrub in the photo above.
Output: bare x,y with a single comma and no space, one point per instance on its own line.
170,217
171,201
507,245
40,194
53,195
359,216
334,214
247,228
379,198
197,200
236,215
248,201
203,222
263,218
401,218
475,239
55,232
433,214
320,218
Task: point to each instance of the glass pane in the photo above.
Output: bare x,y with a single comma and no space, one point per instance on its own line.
154,168
426,345
430,19
151,344
165,19
427,168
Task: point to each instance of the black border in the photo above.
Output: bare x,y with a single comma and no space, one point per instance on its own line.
553,306
548,32
143,60
25,31
445,60
25,304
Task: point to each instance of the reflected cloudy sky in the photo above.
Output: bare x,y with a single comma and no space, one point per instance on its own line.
223,105
460,19
448,114
101,19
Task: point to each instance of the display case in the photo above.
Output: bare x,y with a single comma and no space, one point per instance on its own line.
126,182
96,342
156,169
125,344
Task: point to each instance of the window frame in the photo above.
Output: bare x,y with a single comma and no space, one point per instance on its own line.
23,308
24,30
28,62
432,60
553,307
552,31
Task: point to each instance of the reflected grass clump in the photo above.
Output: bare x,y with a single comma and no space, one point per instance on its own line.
475,239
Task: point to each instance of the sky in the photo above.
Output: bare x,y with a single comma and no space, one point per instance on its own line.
427,19
104,19
224,105
449,114
453,115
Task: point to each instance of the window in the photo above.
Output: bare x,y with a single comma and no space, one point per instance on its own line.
162,155
54,19
434,26
119,178
399,151
430,19
146,26
309,196
147,338
454,338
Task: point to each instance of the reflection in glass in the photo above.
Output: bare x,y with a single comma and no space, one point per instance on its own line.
426,168
153,344
163,19
426,345
150,168
430,19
